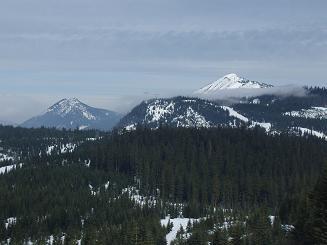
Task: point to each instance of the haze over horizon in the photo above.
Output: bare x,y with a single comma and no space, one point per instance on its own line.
111,54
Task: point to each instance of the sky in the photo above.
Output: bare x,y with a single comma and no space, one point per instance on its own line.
113,54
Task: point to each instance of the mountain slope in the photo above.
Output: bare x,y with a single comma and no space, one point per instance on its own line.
184,112
301,115
289,113
231,81
72,114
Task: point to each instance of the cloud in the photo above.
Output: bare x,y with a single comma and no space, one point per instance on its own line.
107,44
233,95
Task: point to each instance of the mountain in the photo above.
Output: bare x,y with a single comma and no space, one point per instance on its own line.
231,81
184,112
72,114
301,115
305,114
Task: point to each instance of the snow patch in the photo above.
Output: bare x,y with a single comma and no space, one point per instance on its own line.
82,127
106,185
191,119
5,157
234,113
256,101
50,240
177,223
159,109
288,228
10,222
64,148
304,131
130,127
9,168
313,112
50,149
266,126
88,115
93,191
135,196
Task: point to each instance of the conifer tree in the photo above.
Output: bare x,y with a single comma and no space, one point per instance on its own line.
220,237
236,233
319,207
260,228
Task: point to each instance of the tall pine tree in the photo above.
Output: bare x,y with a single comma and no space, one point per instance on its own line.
319,207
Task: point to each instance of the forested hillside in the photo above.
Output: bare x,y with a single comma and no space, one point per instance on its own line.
235,186
233,168
278,110
49,203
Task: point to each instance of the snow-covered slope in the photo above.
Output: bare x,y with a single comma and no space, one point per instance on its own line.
231,81
72,114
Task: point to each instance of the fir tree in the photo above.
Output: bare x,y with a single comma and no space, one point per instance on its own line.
319,208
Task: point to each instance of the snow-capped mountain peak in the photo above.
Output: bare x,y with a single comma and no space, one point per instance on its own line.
231,81
72,113
232,77
71,105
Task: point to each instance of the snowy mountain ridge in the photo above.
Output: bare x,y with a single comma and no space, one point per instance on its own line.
231,81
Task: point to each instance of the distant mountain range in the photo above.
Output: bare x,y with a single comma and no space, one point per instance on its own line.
72,114
305,114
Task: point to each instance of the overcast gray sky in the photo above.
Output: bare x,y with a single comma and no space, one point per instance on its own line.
112,53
